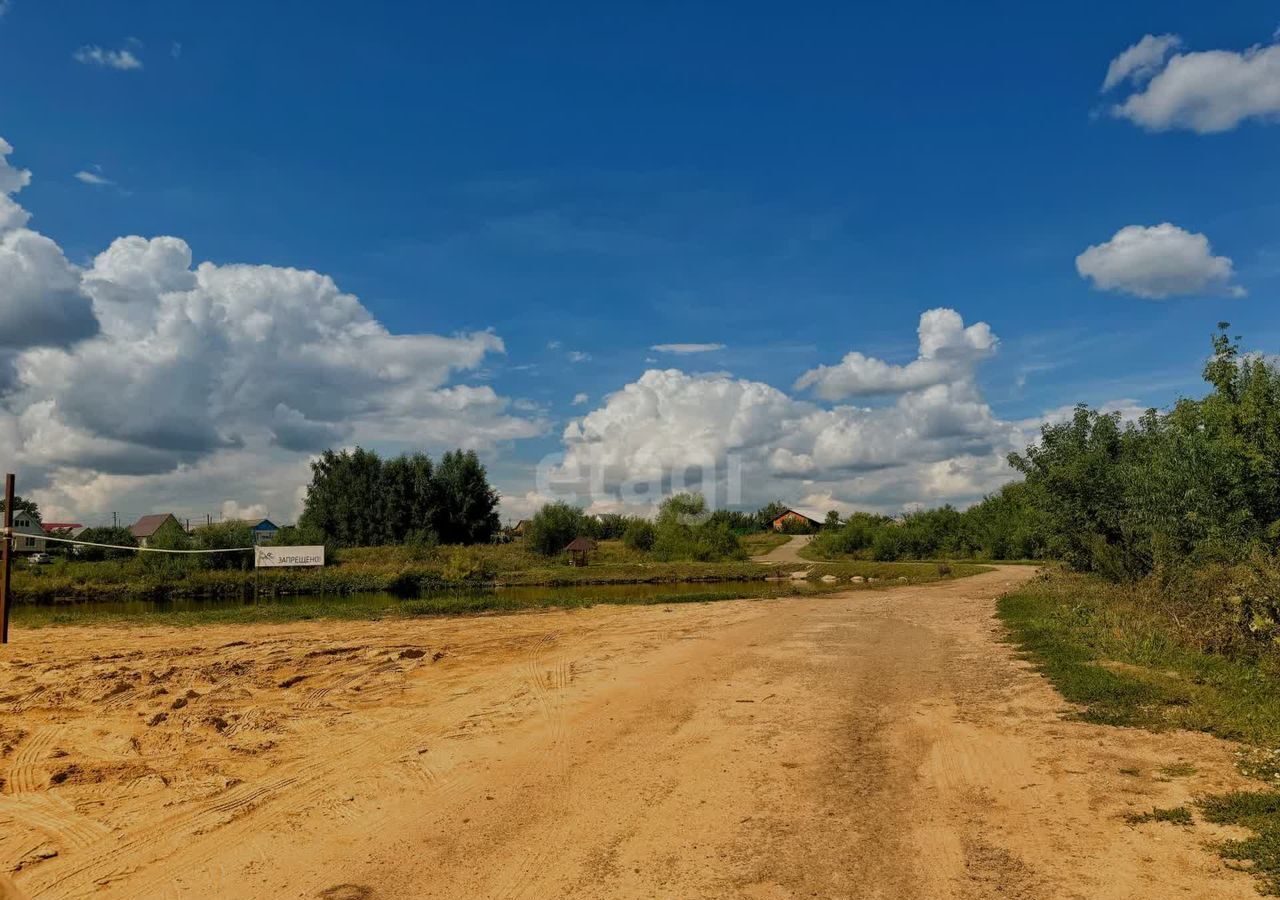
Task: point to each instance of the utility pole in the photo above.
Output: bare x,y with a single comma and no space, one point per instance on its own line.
114,523
6,558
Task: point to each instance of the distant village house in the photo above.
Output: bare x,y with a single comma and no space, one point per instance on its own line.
28,536
146,529
264,532
794,517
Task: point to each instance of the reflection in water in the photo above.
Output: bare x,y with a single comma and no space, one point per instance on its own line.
456,600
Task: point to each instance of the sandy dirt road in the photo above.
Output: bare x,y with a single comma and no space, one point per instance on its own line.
878,744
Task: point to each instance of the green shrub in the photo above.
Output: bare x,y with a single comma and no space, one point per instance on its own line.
117,535
886,546
463,565
553,527
639,535
224,536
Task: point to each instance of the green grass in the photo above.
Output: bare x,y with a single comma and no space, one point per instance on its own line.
1177,815
358,587
1260,813
377,607
460,601
1114,656
403,571
815,552
762,542
1120,658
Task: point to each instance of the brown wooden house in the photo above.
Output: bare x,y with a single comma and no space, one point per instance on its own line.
796,518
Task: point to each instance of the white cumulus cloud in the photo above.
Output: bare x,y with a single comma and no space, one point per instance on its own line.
93,55
580,399
153,377
1142,60
1158,261
744,442
1206,91
948,352
41,301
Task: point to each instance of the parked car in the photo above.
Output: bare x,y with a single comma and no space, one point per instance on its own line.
39,559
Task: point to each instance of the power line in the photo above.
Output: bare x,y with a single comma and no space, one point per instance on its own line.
141,549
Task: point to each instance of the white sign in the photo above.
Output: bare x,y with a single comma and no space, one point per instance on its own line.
288,556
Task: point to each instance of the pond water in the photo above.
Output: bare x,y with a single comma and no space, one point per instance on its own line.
471,600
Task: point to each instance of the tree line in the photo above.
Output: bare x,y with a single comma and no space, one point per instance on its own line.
682,530
1196,485
358,499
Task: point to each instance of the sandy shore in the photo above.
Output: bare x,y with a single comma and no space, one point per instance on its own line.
879,744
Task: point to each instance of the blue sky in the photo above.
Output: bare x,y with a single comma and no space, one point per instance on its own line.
794,182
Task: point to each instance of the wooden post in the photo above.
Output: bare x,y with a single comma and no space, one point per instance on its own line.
6,558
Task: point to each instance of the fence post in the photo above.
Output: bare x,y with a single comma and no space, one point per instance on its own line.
6,558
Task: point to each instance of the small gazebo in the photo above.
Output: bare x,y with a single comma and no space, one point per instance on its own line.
578,550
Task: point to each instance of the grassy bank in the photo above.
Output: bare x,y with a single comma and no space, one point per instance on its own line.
762,542
817,552
464,600
406,572
1120,653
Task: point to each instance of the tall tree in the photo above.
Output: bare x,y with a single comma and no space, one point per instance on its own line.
468,507
345,498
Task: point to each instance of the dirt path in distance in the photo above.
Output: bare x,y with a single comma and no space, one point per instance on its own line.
786,553
877,744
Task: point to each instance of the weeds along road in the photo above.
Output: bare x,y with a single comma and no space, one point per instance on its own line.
881,744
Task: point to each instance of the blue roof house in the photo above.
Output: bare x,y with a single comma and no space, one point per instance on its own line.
264,532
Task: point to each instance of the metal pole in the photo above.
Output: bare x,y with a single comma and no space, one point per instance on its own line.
6,558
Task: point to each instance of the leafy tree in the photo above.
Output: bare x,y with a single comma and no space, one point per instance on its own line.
682,507
832,520
224,536
410,497
1076,468
553,527
610,526
357,499
1199,483
468,507
735,521
118,535
684,531
345,498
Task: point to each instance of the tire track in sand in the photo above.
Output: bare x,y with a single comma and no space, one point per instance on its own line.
30,802
546,673
163,844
